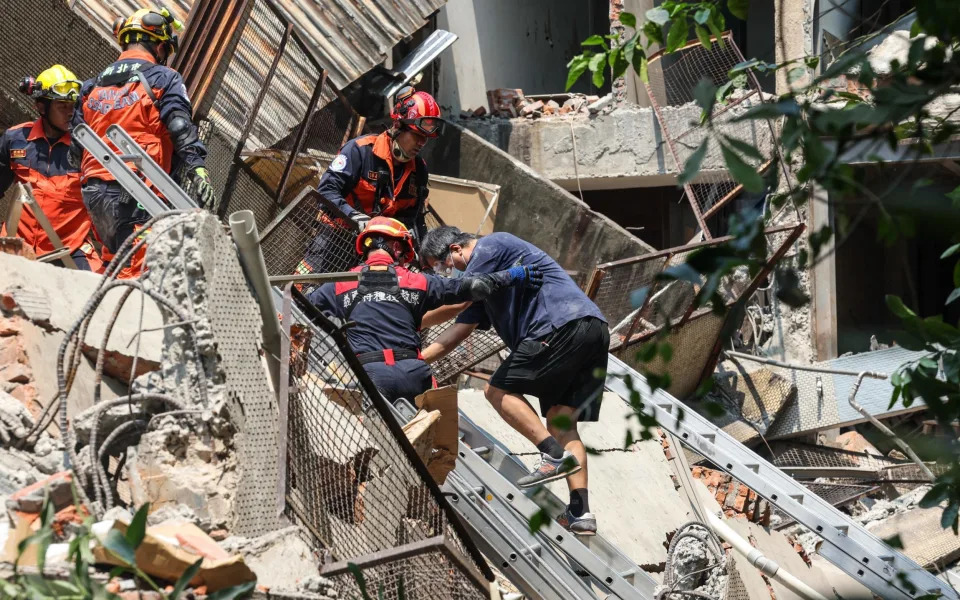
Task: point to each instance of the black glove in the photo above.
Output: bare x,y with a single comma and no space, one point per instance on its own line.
197,186
360,219
478,287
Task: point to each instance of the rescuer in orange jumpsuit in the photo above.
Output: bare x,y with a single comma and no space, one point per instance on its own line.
36,153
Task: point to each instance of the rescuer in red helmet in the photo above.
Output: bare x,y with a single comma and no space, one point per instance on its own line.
388,303
382,175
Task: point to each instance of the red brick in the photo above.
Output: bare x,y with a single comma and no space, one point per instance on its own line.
11,351
16,373
9,327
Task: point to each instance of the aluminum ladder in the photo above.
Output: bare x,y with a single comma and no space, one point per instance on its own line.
551,563
862,555
116,165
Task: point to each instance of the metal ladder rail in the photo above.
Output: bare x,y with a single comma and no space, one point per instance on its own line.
150,169
520,555
497,471
847,545
114,163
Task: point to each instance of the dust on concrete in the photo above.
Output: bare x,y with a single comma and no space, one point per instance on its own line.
282,561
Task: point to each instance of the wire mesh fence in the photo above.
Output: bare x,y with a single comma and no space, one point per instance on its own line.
272,116
311,235
796,454
837,494
612,286
479,346
357,484
673,79
694,333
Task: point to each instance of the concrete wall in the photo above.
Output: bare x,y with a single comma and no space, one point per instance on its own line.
510,44
623,149
532,207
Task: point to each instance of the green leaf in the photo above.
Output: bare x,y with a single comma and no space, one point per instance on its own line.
658,16
598,78
706,95
596,62
361,580
702,16
897,307
703,36
594,40
185,579
788,288
956,274
677,36
120,548
231,593
949,516
741,171
577,66
954,196
953,295
692,166
642,71
739,8
744,148
562,422
538,520
138,527
666,352
653,32
716,25
795,74
628,19
937,494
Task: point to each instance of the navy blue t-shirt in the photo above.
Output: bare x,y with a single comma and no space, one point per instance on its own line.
518,313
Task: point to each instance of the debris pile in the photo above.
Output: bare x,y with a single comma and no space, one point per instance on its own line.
510,103
135,372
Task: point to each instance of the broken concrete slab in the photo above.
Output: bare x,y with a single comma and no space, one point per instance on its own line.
615,150
282,560
631,491
65,291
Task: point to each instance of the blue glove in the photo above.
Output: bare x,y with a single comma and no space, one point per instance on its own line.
530,275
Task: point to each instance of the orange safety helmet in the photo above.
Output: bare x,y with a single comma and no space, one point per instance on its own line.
385,227
417,111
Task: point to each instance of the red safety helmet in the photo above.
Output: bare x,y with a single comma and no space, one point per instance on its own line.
392,229
418,111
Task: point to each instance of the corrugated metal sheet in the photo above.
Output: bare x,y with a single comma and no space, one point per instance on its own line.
348,37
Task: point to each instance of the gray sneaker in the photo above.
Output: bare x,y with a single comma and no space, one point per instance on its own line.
585,524
551,469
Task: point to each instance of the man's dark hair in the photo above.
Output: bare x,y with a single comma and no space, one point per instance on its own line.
436,244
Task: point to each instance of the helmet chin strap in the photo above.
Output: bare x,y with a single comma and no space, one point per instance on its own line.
398,153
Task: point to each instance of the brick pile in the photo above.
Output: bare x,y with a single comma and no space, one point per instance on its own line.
736,499
510,103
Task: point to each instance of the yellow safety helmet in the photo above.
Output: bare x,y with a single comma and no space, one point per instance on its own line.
56,83
148,25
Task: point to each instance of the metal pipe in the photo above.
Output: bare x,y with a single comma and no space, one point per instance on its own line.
768,567
786,365
886,430
315,277
243,227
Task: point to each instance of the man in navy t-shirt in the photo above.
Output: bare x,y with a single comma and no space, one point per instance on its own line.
558,340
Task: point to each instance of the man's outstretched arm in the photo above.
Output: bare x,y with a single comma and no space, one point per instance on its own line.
448,340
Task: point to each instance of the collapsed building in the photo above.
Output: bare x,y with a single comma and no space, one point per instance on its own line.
169,394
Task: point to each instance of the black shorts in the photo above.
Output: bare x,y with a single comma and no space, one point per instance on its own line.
563,368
